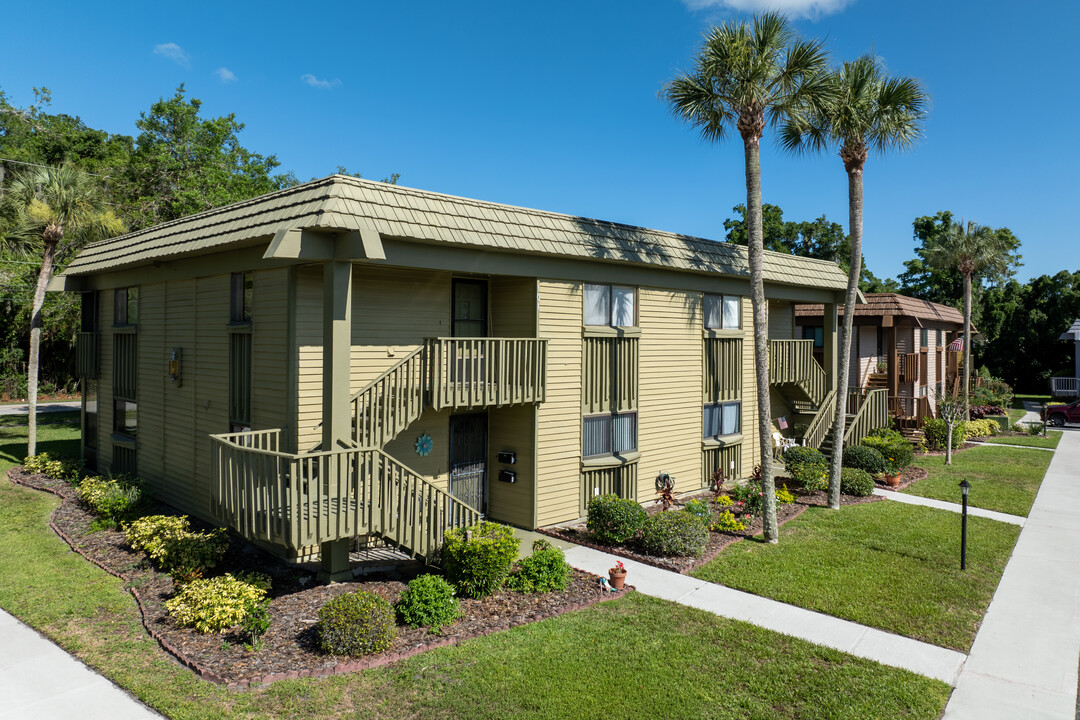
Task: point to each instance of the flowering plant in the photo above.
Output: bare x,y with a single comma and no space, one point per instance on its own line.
892,467
619,569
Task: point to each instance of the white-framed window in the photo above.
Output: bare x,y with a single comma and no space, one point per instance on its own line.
723,312
608,434
720,419
611,305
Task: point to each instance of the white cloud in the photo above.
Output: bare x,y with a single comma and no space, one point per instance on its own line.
321,84
792,8
173,52
225,75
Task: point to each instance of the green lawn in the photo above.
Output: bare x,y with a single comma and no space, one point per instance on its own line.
632,657
1005,479
1053,437
885,564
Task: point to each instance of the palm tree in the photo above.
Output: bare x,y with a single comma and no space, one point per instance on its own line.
864,110
748,77
976,251
55,208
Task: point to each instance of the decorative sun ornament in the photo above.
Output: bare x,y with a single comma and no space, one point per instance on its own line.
423,445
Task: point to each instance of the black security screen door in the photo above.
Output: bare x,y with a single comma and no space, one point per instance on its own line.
468,458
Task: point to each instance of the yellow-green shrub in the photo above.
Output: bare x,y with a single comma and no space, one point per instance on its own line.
981,428
113,498
214,604
727,522
169,543
69,469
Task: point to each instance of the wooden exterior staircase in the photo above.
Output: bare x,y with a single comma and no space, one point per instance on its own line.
301,500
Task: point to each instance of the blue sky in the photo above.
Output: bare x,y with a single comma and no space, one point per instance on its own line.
554,105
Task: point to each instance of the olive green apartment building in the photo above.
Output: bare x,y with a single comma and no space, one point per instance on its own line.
349,358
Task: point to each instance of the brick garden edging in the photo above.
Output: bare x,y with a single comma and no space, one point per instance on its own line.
339,669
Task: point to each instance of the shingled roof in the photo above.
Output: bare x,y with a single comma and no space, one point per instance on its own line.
893,305
346,203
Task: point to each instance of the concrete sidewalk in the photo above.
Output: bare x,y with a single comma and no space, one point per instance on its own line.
1023,663
870,643
24,409
39,681
951,507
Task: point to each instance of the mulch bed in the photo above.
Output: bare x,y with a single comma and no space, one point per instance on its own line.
289,647
910,475
718,540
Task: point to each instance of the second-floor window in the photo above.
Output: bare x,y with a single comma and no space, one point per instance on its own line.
240,297
723,312
126,306
611,305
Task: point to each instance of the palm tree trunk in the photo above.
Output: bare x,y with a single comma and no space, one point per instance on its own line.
752,146
45,274
967,346
843,362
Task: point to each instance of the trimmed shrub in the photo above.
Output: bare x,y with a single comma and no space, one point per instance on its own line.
214,604
981,428
428,602
807,466
613,520
887,433
674,533
863,458
112,498
784,496
854,481
935,431
175,548
900,451
356,623
478,559
543,571
61,468
800,455
700,509
726,522
812,476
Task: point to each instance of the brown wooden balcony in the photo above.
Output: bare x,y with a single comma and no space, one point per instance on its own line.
792,363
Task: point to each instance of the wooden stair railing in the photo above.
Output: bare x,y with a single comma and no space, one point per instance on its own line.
390,402
303,500
822,423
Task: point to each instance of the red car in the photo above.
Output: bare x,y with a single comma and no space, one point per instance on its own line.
1058,415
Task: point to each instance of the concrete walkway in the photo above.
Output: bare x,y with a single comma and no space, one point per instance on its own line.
886,648
24,409
951,507
1023,663
39,681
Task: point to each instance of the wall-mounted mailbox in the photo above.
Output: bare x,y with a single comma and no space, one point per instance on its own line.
507,476
506,457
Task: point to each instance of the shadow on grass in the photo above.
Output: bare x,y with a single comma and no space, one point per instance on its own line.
54,435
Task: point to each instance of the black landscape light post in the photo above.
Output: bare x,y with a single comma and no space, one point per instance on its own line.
964,487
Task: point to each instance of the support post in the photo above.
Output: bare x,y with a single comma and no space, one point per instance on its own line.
337,425
830,337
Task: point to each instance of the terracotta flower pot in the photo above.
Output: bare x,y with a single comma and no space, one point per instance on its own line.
617,579
893,480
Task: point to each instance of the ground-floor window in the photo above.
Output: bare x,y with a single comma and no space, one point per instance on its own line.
722,419
125,417
609,434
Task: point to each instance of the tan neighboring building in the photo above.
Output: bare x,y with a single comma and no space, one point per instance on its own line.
900,344
348,358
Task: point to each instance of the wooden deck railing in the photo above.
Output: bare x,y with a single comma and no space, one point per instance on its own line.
390,402
908,367
449,373
792,362
486,372
822,422
917,408
873,413
303,500
87,354
1065,386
